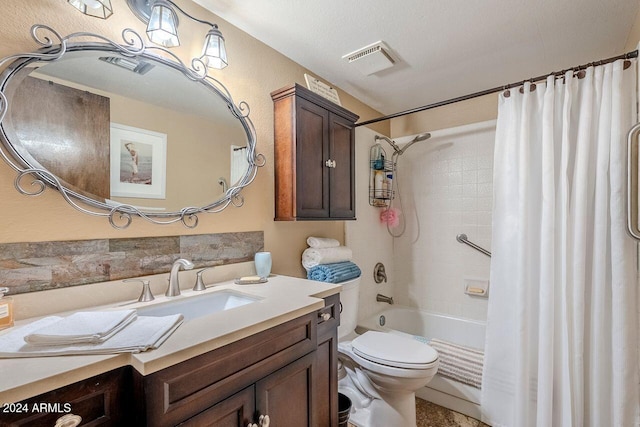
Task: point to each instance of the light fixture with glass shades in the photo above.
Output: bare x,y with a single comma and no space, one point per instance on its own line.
162,29
97,8
214,54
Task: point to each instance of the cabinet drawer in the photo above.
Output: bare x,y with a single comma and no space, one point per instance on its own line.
103,400
181,391
329,316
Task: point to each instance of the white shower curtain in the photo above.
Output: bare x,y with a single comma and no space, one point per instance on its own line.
562,331
239,164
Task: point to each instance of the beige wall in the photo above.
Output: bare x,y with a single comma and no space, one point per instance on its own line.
461,113
254,71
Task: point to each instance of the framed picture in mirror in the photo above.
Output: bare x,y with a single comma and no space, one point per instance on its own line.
138,162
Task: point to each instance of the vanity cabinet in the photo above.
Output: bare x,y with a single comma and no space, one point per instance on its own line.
314,150
194,387
288,372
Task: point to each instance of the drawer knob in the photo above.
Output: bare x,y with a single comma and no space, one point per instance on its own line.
264,421
68,420
324,316
330,163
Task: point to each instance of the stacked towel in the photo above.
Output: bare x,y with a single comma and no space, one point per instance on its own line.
334,273
143,334
91,327
322,242
459,362
317,256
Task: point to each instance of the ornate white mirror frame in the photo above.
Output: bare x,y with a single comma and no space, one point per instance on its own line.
32,179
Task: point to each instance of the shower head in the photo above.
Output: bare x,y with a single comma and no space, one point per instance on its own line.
397,149
418,138
390,141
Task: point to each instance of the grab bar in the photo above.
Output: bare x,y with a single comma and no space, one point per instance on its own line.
462,238
632,178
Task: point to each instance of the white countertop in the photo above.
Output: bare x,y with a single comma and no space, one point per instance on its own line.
283,298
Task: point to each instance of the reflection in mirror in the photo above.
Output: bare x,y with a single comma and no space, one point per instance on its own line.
120,129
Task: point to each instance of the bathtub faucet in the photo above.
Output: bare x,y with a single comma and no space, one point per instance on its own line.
383,298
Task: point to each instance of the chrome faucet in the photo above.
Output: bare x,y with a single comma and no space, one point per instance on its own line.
383,298
174,285
199,286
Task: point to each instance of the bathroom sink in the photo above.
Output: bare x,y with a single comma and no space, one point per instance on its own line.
199,305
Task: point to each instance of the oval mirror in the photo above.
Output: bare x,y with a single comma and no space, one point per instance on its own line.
128,132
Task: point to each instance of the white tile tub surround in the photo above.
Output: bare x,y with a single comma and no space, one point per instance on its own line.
446,187
448,181
368,238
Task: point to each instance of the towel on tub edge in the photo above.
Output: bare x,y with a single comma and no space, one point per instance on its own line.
316,256
458,362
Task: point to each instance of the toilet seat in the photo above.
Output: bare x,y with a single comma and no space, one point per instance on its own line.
394,350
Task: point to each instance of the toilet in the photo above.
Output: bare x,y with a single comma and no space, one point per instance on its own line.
379,371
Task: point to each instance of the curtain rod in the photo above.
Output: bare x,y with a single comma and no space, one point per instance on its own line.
628,55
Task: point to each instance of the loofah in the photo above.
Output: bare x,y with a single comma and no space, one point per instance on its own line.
390,216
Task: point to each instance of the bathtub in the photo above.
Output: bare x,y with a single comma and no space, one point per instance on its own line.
440,390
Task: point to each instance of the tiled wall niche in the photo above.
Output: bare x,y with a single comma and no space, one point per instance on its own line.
38,266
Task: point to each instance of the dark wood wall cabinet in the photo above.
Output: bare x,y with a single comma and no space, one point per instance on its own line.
314,157
287,373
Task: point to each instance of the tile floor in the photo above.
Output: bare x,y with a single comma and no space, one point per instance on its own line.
431,415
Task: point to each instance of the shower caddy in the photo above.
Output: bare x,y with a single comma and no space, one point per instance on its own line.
381,175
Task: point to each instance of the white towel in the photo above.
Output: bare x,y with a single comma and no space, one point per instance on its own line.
143,334
322,242
82,327
316,256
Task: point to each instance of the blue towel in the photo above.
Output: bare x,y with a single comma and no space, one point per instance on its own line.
334,273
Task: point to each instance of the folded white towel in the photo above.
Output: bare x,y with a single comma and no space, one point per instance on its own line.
322,242
143,334
82,327
316,256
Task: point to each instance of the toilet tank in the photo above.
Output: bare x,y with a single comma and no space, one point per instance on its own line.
349,296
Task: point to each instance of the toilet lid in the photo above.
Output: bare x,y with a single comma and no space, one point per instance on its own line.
394,350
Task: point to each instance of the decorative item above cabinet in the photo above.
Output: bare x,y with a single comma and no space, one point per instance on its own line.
314,157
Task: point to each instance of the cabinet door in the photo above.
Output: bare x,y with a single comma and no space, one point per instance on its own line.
235,411
342,176
287,395
312,151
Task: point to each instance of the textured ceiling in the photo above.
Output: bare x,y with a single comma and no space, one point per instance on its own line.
445,48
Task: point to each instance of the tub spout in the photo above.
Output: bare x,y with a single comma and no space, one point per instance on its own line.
383,298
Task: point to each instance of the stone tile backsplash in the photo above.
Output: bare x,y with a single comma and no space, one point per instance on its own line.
37,266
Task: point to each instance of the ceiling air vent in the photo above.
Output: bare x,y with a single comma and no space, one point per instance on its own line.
136,66
371,59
